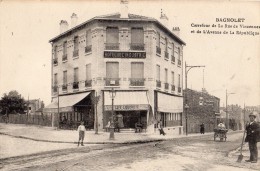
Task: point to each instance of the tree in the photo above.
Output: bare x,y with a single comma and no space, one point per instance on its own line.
12,103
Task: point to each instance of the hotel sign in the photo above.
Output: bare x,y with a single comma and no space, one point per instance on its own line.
116,54
126,107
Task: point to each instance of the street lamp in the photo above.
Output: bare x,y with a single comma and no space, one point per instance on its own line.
112,94
227,121
187,69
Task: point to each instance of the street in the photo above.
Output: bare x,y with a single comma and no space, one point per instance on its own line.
188,153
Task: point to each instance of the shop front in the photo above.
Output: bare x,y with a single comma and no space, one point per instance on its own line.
169,111
69,110
129,106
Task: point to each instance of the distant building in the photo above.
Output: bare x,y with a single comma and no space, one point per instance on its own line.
137,56
203,108
34,105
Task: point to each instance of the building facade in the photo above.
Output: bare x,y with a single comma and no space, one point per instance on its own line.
203,108
132,61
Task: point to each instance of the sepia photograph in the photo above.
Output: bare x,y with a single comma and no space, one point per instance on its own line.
129,85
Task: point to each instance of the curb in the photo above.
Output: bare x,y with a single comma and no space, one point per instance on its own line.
75,142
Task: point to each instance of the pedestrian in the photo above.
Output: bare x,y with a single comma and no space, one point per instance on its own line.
202,128
81,130
252,137
160,127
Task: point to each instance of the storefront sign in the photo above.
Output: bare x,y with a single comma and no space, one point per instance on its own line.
127,107
112,54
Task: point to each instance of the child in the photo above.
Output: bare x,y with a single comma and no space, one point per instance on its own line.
81,130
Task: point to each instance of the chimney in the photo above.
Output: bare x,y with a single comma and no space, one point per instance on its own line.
124,8
63,26
176,31
164,19
74,20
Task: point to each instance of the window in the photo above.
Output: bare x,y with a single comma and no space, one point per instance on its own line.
64,86
137,39
64,77
88,42
179,56
137,74
166,49
76,43
172,78
166,79
112,73
55,83
158,82
64,57
158,43
158,39
88,82
55,55
173,58
112,38
76,46
179,80
158,72
76,79
76,72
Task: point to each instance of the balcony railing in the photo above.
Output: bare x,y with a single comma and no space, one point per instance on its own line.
173,87
166,55
88,83
112,81
179,62
76,85
158,83
55,61
88,48
179,89
137,46
55,88
64,57
64,87
173,58
158,50
137,81
112,46
75,53
166,86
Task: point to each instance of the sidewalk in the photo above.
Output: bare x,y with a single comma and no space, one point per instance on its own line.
48,134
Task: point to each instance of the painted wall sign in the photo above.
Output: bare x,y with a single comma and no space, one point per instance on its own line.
112,54
126,107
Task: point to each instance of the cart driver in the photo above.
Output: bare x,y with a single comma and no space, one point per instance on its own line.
221,125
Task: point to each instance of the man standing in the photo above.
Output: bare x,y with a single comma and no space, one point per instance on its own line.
81,130
252,134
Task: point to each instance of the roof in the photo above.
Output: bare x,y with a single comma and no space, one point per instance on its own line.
116,17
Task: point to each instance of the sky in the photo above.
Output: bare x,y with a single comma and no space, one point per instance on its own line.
232,61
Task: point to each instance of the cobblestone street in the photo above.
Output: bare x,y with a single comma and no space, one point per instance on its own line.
187,154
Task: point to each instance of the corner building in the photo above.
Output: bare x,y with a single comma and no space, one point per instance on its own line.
136,56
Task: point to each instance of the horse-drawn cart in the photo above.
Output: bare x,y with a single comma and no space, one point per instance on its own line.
221,133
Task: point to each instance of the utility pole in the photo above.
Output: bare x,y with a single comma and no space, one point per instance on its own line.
187,69
227,119
112,126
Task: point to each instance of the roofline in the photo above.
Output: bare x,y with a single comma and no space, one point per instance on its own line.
119,19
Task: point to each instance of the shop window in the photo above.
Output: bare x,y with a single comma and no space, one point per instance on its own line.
112,38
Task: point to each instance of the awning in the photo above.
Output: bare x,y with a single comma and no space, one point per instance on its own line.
66,102
170,104
126,100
